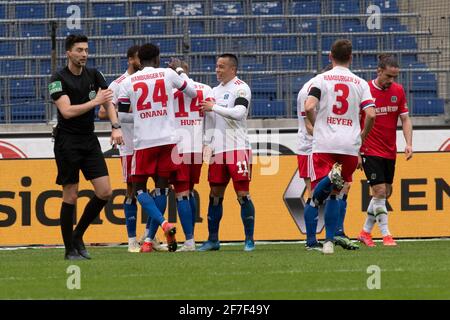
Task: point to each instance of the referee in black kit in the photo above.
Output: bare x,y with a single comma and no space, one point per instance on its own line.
76,91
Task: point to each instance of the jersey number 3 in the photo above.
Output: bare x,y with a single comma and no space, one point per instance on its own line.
341,98
159,94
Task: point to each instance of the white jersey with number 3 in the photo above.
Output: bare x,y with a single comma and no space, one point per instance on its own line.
342,96
149,91
189,118
231,134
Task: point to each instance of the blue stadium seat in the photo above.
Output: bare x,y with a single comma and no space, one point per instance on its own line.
2,12
404,42
353,25
307,26
293,62
327,42
284,43
407,60
203,45
267,108
305,7
253,66
2,112
197,27
233,26
423,94
188,9
109,9
369,61
11,67
428,106
299,81
274,26
365,43
60,10
45,66
2,30
394,28
153,27
228,8
166,45
120,46
34,30
386,6
345,6
423,81
29,111
30,11
143,9
113,28
22,88
243,44
7,48
267,7
41,47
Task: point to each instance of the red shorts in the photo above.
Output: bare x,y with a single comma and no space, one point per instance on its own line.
158,161
188,172
126,170
304,165
236,164
323,162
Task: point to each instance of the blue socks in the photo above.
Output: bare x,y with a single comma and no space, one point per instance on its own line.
248,216
148,204
342,211
311,215
130,208
322,190
193,204
331,217
185,213
160,197
215,212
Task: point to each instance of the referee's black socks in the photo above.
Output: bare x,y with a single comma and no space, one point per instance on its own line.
66,217
92,210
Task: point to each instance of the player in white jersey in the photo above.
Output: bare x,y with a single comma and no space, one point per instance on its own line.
340,96
190,127
149,93
231,150
126,149
126,153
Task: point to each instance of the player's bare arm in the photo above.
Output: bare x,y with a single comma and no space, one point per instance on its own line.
69,111
369,122
116,133
309,126
238,112
407,133
102,114
310,107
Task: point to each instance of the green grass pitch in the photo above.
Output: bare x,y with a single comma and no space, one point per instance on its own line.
413,270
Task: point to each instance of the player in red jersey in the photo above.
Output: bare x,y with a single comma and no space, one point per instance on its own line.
379,150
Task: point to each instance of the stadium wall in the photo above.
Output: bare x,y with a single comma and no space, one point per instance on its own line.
420,205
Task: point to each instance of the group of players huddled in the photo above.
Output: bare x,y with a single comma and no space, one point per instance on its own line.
166,125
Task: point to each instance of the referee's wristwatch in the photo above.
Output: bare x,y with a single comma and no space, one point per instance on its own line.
116,125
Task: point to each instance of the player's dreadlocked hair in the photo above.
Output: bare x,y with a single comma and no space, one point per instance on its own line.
387,60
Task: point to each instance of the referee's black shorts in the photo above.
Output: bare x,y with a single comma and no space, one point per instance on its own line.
78,152
378,170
